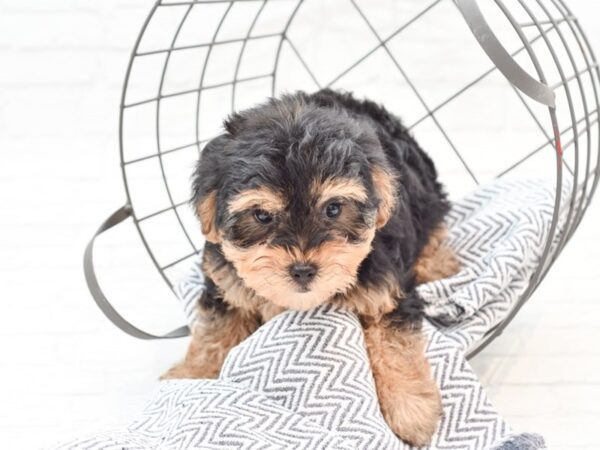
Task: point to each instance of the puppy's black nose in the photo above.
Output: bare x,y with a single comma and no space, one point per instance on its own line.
303,274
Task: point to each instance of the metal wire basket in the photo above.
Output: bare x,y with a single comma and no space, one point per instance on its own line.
490,89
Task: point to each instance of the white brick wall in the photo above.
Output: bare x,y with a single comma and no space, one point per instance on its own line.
66,370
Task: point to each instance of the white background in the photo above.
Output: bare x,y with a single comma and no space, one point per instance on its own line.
65,370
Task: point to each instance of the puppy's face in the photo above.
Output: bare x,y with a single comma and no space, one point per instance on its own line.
294,195
298,248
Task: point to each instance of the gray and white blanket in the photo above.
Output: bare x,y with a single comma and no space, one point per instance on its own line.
303,379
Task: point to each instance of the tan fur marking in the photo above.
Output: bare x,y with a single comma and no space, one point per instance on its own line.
212,339
262,197
267,310
237,294
207,210
386,190
437,260
338,187
373,303
265,270
408,396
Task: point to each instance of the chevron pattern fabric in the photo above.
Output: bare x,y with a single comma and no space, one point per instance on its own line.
498,232
303,380
315,364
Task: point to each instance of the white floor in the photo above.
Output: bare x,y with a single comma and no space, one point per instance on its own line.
64,370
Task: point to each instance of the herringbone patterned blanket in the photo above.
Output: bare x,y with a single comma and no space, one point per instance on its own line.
303,379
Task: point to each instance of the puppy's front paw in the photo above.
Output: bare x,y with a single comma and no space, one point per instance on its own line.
412,414
408,395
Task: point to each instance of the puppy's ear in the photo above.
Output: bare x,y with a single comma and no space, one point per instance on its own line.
385,187
206,184
207,213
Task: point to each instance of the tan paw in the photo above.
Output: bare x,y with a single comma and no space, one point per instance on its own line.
413,417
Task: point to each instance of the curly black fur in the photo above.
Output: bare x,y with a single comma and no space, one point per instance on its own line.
287,142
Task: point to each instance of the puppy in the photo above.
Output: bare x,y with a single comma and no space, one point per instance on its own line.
315,198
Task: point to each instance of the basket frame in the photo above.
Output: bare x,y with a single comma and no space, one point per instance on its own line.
522,83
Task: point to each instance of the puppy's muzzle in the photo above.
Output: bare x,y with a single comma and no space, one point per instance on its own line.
303,274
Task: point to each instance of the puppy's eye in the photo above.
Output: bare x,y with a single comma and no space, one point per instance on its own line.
263,216
333,209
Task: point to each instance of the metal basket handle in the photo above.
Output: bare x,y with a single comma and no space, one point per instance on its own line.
500,57
92,281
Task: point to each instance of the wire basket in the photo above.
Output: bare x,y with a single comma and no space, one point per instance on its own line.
489,89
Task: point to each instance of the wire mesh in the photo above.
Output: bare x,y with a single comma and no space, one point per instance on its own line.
196,61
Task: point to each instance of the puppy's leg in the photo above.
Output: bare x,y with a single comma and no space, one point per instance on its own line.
436,260
408,396
213,336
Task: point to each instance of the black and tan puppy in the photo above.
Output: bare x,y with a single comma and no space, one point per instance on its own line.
315,198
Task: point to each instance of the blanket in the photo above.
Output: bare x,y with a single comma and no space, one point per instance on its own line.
303,379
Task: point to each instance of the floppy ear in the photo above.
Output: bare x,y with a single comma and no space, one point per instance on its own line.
206,184
385,187
207,213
